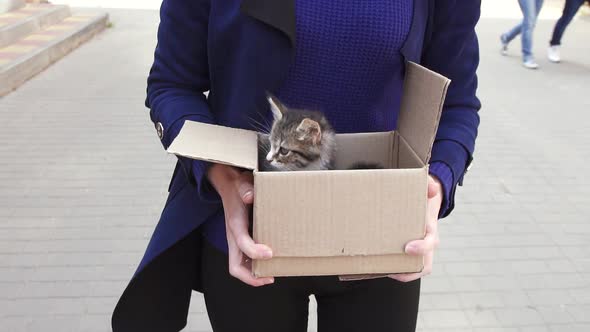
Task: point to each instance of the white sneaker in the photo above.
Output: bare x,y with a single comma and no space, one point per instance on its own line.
530,64
553,54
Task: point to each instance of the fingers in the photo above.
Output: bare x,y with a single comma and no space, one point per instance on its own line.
242,248
428,244
241,268
434,186
407,277
424,247
420,247
237,225
245,186
238,220
251,249
237,191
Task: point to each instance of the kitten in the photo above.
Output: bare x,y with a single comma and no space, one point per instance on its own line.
299,140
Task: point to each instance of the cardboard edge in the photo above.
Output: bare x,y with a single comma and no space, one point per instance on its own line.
291,266
412,67
184,144
393,150
438,116
401,139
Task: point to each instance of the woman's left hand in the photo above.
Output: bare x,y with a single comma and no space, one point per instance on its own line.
426,246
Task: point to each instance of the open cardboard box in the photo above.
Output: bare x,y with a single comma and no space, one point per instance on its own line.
339,222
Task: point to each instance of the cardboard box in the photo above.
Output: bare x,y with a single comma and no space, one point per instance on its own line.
339,222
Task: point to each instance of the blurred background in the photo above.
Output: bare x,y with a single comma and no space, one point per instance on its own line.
83,176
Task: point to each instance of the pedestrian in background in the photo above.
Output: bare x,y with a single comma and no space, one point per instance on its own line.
530,12
569,11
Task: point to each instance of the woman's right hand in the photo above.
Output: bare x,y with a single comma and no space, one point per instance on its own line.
236,189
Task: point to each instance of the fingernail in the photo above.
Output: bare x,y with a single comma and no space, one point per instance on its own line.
410,249
269,281
266,254
248,194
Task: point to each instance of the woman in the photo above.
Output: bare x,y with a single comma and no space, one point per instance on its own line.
530,12
569,11
346,58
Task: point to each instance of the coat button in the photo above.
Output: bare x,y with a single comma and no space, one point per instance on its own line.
160,130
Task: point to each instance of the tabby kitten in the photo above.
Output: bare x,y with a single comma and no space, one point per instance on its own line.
299,140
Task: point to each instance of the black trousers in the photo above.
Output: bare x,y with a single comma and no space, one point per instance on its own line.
356,306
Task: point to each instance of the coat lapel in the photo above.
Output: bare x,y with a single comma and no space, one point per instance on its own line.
279,14
412,48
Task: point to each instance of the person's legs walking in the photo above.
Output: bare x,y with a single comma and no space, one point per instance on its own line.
569,11
530,10
507,37
512,33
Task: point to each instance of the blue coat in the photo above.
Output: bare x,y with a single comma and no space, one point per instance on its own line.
237,50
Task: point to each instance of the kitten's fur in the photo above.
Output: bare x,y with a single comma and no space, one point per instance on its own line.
299,140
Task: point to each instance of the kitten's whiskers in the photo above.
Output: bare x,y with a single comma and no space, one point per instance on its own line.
259,126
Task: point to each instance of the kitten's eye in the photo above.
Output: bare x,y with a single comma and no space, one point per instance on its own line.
283,151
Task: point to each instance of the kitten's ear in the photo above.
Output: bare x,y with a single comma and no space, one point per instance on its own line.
276,106
309,130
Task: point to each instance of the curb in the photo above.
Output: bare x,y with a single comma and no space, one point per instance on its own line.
22,69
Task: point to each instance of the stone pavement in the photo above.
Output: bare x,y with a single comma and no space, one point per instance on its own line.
83,178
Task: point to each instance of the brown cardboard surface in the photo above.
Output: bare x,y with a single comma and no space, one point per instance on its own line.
339,222
339,213
406,157
224,145
354,265
422,102
352,148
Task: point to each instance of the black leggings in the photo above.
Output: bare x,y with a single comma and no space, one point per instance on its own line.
370,305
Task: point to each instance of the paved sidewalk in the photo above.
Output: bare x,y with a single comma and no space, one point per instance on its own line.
83,178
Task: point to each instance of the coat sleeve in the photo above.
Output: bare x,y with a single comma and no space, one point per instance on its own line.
179,77
453,51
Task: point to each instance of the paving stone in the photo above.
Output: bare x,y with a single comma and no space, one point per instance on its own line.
555,314
580,313
444,319
483,318
534,328
434,301
549,296
518,316
481,300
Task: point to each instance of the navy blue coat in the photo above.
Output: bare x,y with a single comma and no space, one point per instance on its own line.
237,50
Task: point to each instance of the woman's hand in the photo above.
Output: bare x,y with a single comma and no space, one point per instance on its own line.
237,191
426,246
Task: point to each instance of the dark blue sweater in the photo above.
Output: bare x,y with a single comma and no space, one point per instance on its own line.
347,57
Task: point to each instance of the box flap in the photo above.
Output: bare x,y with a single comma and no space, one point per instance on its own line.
224,145
422,102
